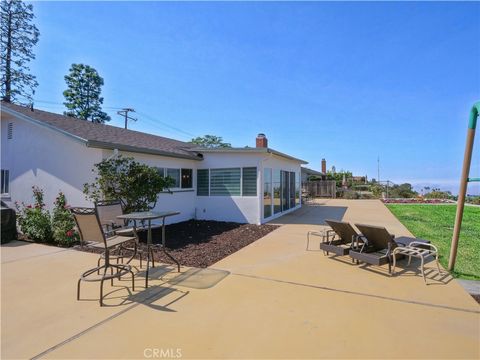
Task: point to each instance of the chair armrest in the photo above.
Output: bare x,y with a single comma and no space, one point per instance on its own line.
332,233
423,244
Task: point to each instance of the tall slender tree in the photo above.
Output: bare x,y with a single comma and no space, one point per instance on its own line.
82,98
18,35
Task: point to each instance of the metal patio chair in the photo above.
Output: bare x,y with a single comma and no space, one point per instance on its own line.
108,212
91,233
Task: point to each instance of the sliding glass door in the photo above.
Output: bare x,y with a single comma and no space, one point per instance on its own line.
280,191
267,193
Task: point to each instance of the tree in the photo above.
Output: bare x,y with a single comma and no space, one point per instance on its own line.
211,141
122,178
82,98
18,35
338,177
436,193
402,191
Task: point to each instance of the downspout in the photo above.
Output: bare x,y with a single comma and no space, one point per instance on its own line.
472,124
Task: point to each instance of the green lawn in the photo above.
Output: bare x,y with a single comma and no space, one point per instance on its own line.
435,223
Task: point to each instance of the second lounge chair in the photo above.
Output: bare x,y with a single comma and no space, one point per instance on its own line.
378,245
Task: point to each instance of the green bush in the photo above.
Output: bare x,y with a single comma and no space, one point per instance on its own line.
63,224
136,185
34,221
348,194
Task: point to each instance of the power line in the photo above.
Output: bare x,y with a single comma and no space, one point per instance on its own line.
149,119
124,112
155,121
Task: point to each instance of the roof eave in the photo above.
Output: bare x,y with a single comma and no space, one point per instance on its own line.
111,146
251,150
278,153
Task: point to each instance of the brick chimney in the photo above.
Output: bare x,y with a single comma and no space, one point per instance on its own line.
262,141
324,166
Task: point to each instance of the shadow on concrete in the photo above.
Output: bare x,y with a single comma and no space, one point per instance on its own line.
312,214
16,243
199,278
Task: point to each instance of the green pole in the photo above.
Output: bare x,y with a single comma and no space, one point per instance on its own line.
467,159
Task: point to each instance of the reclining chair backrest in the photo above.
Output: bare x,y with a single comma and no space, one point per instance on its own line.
377,237
88,225
108,210
343,229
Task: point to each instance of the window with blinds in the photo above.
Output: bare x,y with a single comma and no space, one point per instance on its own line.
225,182
249,181
202,182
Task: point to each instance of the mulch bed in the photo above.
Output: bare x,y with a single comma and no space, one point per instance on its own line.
201,243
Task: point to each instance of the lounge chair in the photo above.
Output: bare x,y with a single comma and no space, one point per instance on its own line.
91,233
339,240
377,247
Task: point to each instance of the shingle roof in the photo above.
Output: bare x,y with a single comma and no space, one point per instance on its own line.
106,136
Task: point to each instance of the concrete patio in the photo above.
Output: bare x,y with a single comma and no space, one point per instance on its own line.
272,299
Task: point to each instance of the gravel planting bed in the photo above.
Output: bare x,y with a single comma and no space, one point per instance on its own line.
201,243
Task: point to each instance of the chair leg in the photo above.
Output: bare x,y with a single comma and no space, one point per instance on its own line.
423,272
151,256
409,260
101,292
394,264
78,288
438,266
133,280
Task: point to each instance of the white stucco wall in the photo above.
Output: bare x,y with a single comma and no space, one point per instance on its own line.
39,156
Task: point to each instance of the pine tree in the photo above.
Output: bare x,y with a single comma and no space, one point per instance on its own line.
18,35
82,98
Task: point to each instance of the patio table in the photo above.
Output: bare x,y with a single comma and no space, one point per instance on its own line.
149,216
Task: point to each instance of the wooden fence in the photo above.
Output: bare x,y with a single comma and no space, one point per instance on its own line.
322,188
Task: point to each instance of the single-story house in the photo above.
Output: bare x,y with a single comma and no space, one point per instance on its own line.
58,153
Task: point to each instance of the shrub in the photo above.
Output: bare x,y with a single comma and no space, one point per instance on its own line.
136,185
63,224
350,194
34,221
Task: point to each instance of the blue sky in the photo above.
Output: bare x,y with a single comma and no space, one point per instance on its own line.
343,81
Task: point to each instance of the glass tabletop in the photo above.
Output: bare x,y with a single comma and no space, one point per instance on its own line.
148,215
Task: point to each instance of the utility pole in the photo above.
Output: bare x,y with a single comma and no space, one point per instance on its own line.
124,112
378,168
